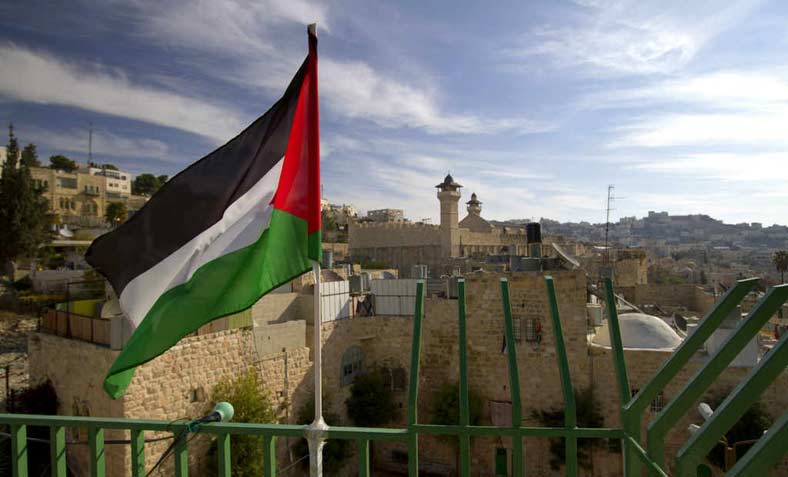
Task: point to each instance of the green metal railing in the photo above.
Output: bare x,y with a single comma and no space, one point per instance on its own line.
763,455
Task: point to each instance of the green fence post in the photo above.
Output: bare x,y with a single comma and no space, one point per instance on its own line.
465,439
137,453
57,450
570,410
514,381
269,455
97,459
19,450
224,456
363,457
704,377
181,456
691,344
632,466
732,408
766,453
413,387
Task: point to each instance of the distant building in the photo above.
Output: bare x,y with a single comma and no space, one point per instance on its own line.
81,197
386,215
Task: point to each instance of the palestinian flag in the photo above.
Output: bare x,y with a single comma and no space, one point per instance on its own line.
228,229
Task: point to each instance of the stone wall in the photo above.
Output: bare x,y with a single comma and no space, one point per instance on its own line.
385,342
176,385
688,296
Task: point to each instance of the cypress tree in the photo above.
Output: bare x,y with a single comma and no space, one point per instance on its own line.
23,210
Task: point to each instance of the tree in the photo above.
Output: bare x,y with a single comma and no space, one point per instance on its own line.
62,163
111,167
162,179
145,184
252,404
371,402
30,156
116,212
23,211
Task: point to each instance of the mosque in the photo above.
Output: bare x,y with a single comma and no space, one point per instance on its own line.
441,247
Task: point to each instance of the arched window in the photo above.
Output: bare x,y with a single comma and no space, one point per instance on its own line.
352,365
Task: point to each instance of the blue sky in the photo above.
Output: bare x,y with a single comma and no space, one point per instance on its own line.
535,106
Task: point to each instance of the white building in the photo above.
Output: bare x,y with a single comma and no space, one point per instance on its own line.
118,182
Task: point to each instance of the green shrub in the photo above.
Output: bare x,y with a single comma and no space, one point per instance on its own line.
446,406
371,402
253,405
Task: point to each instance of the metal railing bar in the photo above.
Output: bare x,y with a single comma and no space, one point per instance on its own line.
733,407
464,438
413,388
525,431
19,449
705,376
641,453
668,370
631,464
57,451
224,455
690,345
514,379
97,457
570,411
765,453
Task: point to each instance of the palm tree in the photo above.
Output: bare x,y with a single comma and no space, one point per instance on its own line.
780,261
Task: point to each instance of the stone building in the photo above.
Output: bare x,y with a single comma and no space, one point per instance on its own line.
81,197
402,244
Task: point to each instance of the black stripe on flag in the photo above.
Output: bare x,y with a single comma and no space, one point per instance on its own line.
197,197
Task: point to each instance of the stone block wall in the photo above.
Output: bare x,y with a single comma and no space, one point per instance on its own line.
176,385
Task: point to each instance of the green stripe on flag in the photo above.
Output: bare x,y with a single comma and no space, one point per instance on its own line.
226,285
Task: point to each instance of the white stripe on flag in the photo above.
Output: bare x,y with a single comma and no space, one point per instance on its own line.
240,226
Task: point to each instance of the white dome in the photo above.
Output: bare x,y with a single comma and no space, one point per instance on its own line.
640,331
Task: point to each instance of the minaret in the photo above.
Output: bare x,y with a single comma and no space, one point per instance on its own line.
474,206
449,197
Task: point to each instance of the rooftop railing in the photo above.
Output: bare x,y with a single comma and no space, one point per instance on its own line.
760,458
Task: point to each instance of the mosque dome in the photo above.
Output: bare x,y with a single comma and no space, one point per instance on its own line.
640,331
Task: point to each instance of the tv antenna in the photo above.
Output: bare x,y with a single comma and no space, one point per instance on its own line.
610,199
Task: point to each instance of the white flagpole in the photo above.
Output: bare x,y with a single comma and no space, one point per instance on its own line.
316,433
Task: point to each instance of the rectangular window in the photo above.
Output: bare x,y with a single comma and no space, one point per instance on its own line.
533,330
517,325
66,182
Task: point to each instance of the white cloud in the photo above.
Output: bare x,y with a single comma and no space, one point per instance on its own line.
356,90
40,78
104,144
242,33
635,37
766,169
